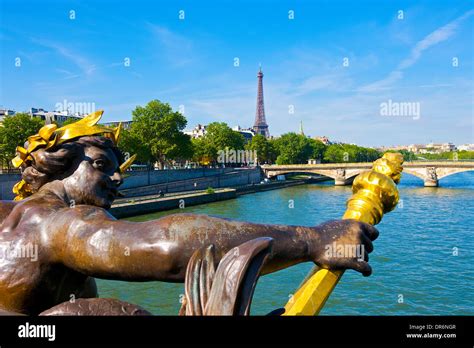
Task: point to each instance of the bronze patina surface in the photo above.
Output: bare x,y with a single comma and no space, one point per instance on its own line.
67,187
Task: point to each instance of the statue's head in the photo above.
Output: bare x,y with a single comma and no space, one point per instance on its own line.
82,155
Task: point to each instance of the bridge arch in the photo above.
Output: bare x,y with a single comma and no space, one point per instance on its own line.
343,173
344,177
287,172
414,172
447,172
441,172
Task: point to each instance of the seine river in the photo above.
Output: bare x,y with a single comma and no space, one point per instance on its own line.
423,262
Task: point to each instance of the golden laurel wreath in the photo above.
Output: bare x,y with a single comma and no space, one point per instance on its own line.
50,136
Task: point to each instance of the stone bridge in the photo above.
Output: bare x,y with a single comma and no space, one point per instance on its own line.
344,173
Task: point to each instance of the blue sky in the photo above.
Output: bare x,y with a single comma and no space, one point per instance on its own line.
190,62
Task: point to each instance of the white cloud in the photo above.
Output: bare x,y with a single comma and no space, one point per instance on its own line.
86,67
439,35
434,38
383,84
177,48
333,82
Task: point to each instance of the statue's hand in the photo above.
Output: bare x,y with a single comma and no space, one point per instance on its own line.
344,244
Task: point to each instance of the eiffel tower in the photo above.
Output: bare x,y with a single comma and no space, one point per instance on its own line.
260,126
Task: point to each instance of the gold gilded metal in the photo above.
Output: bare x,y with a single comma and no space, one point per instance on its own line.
50,135
125,165
374,194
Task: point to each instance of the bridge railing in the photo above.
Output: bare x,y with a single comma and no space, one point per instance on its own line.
364,164
442,160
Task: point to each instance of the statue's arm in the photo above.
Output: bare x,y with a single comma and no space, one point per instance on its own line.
91,241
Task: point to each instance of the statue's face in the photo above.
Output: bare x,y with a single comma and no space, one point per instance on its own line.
96,179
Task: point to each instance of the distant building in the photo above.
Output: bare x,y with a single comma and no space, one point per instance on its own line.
394,148
48,117
466,147
197,132
58,117
200,131
113,124
247,133
6,112
314,161
431,148
444,147
324,140
54,116
416,148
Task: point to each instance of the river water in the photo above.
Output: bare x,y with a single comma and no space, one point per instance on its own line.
423,262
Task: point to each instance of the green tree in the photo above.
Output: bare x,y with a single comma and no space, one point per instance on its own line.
334,154
69,121
266,152
222,136
318,149
293,149
407,155
14,131
219,137
449,155
130,144
463,155
203,152
338,153
157,127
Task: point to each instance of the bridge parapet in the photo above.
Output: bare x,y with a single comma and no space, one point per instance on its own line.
344,173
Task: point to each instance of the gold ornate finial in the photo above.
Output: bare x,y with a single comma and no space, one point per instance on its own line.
50,135
390,165
374,194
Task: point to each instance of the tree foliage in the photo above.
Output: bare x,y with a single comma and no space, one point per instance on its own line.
451,155
14,131
293,149
68,121
159,129
130,144
266,152
318,149
338,153
219,137
222,136
407,155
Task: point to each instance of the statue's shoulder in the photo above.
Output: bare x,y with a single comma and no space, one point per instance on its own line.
88,212
14,215
6,208
36,207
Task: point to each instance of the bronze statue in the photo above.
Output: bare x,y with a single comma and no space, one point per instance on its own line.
71,176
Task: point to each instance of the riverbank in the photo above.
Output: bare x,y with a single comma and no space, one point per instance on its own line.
134,206
152,204
275,185
152,182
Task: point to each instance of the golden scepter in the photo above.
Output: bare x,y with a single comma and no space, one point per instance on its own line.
374,194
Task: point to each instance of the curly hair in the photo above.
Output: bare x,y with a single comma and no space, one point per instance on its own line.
59,162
